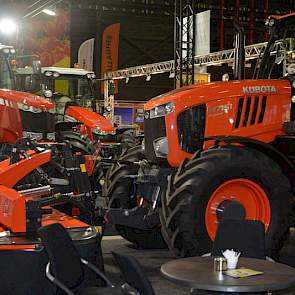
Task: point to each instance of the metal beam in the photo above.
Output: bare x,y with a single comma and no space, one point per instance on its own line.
210,59
284,49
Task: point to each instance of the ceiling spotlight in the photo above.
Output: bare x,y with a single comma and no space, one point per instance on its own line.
171,75
49,11
148,78
127,80
8,26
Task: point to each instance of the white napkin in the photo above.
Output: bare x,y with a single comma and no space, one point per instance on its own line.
232,258
231,254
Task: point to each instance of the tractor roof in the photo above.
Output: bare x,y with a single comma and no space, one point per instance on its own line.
66,71
2,46
7,49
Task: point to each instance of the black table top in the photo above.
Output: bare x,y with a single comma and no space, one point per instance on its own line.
198,273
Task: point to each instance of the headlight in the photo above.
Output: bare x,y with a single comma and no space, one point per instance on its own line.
161,147
162,110
48,74
27,108
101,132
51,136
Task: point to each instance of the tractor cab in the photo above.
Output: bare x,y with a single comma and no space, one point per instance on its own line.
22,114
66,85
72,91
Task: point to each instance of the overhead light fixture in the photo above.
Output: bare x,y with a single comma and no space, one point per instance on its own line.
148,78
127,80
49,11
8,26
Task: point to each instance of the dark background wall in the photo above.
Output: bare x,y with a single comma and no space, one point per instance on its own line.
147,33
146,36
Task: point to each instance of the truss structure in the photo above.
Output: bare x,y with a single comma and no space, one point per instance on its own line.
184,42
285,49
210,59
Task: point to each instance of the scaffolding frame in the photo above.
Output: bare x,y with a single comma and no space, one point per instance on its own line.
285,49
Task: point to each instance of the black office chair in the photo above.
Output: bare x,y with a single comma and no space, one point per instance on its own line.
245,236
65,268
133,274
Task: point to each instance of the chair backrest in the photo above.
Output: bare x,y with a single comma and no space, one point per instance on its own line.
133,274
65,263
245,236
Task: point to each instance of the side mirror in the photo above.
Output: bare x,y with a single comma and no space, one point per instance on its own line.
225,77
36,65
47,93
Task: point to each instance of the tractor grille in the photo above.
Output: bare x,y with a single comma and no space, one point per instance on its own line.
250,111
38,123
191,129
153,129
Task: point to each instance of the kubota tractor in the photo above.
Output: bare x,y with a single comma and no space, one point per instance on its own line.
227,150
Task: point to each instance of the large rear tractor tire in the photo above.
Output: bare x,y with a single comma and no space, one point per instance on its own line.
78,142
122,193
211,185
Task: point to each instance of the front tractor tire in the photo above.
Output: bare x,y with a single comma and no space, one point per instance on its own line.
227,181
122,193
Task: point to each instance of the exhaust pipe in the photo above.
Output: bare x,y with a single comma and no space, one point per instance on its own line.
239,42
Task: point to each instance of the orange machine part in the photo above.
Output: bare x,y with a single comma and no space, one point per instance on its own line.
222,99
90,119
90,164
12,174
248,193
12,210
66,220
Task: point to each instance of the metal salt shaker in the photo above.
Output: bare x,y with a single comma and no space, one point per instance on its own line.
220,264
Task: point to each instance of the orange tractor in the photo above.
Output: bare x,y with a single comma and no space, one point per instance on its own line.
37,178
213,150
72,91
27,136
24,257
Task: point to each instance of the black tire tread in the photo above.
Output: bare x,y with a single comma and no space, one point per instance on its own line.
193,177
118,191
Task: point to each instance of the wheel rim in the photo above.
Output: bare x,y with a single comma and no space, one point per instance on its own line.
243,191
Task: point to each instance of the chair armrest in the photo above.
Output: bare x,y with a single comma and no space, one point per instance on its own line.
97,271
56,282
206,255
269,259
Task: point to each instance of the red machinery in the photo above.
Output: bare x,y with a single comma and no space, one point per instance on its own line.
21,214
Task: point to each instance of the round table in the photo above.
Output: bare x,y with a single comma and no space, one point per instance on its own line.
198,273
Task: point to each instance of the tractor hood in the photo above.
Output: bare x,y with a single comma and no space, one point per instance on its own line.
205,92
27,99
90,119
